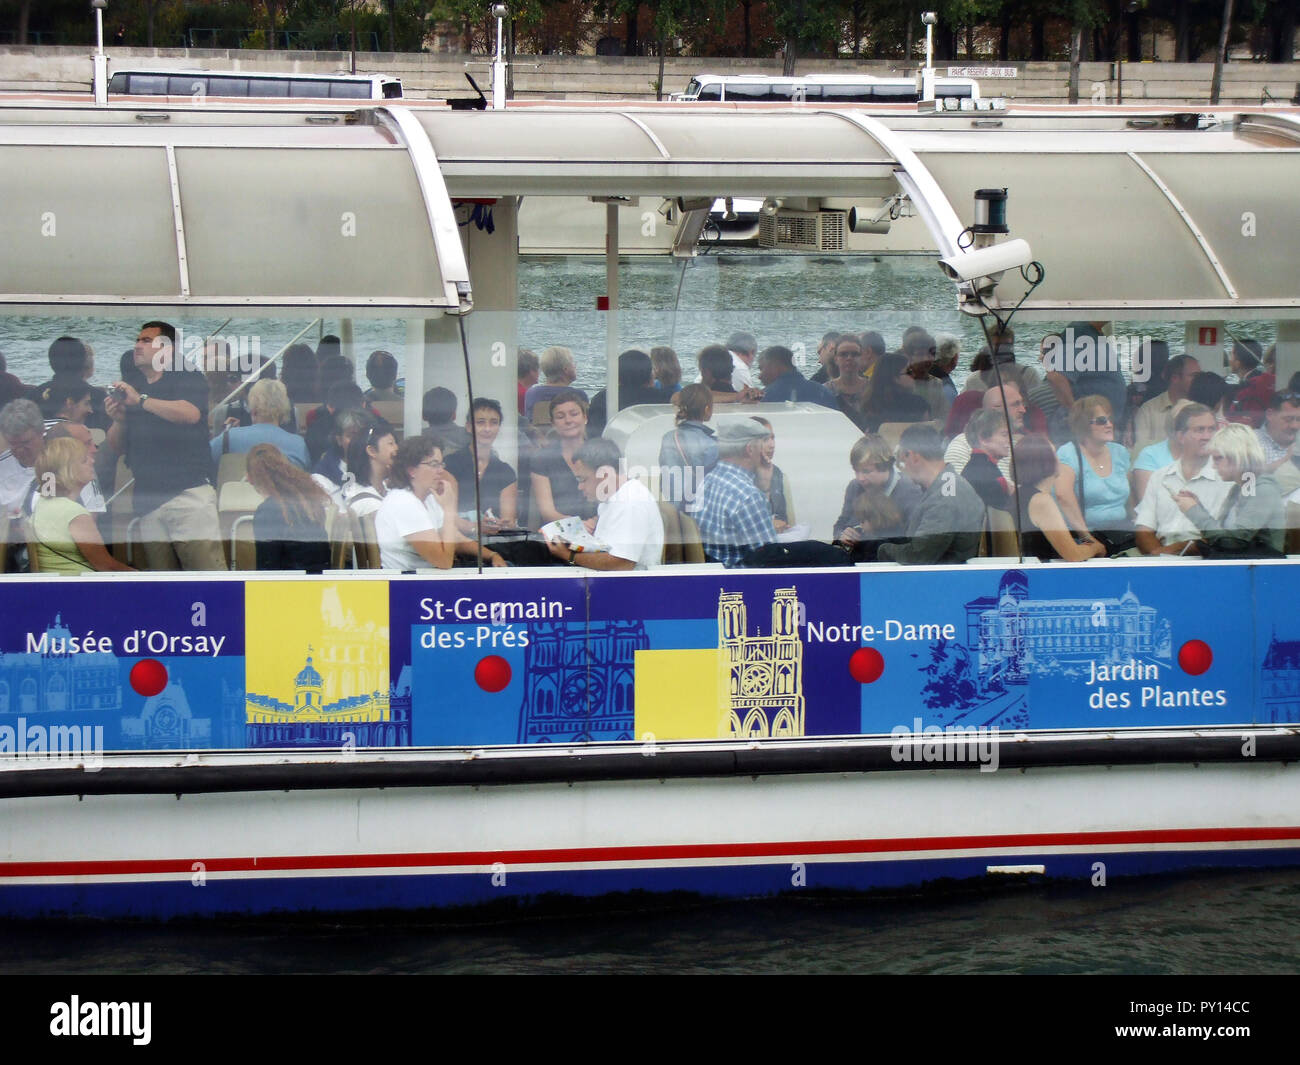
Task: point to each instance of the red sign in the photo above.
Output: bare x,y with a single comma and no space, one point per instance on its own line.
1208,336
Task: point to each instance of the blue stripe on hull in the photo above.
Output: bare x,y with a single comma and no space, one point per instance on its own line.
339,894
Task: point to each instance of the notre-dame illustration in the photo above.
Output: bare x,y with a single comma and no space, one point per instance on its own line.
760,678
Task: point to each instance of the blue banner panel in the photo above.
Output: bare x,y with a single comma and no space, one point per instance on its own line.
129,665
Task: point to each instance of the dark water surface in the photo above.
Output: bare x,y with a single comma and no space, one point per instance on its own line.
1211,923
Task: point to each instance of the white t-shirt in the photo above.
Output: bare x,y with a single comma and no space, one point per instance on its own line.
361,499
741,375
630,523
398,516
15,482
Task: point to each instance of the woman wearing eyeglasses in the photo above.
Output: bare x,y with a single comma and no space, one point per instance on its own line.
1092,486
416,522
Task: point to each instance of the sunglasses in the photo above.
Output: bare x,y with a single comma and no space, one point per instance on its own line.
1101,419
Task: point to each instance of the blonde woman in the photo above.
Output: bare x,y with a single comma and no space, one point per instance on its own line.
66,537
1250,521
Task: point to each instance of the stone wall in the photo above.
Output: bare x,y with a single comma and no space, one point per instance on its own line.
32,68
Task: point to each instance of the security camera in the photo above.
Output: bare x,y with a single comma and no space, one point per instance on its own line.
992,261
861,222
500,11
929,18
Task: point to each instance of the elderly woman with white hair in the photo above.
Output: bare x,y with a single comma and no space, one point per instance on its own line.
268,403
1249,523
559,371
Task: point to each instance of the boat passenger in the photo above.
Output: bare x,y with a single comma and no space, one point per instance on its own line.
268,406
1151,422
667,369
715,373
322,423
1051,394
1044,531
381,372
851,389
635,373
23,430
331,467
1277,435
873,347
891,397
1163,528
299,374
878,502
949,517
438,409
66,537
1249,521
161,429
92,498
771,481
921,351
990,444
370,458
689,451
1158,455
223,380
1092,487
1024,418
289,525
526,368
1210,389
826,357
554,482
1255,386
498,487
67,398
560,371
782,383
11,387
733,514
627,524
1104,379
743,349
412,523
947,353
70,359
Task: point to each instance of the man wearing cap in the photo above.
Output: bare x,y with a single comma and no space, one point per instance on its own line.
733,514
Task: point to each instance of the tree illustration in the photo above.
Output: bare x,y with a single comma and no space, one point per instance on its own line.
952,683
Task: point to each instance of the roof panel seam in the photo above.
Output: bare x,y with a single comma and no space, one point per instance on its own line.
649,133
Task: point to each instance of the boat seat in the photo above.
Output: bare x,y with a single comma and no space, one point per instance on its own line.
1003,540
368,544
391,410
672,535
121,515
1293,528
541,412
692,545
231,467
29,534
344,536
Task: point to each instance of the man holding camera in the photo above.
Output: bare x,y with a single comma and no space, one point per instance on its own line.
161,429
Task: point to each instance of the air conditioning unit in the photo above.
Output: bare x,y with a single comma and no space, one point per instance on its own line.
803,230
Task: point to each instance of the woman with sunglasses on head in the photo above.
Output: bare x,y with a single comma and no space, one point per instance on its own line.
1092,486
370,459
893,396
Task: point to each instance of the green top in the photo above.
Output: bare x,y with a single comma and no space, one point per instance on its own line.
56,551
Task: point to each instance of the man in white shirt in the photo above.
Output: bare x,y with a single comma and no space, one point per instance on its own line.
627,520
1162,527
743,347
22,427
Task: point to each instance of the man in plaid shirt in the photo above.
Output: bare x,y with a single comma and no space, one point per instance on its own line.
733,514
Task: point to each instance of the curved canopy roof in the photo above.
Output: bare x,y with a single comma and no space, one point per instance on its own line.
295,205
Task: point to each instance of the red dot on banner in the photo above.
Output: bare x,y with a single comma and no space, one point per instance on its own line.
148,677
492,673
866,664
1195,657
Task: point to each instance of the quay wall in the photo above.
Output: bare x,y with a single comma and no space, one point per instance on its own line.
67,68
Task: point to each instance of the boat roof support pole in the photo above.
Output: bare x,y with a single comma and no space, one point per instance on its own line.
413,367
611,314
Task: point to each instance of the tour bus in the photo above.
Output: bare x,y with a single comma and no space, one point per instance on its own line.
828,89
372,730
225,83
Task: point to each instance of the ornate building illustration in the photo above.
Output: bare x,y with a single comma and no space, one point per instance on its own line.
54,681
760,678
1013,637
579,681
1280,680
311,721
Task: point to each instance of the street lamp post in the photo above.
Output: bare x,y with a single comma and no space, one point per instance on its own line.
99,60
499,12
1129,8
927,75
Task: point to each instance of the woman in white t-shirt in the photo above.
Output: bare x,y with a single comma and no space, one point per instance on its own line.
370,460
411,523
